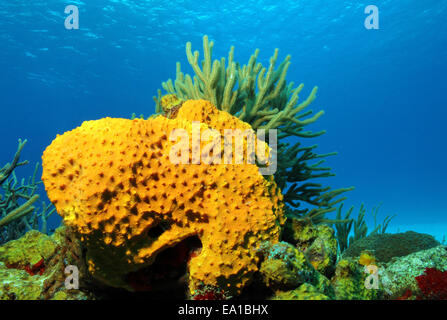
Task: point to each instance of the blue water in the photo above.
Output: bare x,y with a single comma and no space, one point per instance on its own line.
383,91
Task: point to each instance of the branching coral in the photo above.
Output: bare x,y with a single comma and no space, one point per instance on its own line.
17,213
8,169
255,94
262,97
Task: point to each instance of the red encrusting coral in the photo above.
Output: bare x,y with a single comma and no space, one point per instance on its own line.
433,284
210,295
37,268
407,295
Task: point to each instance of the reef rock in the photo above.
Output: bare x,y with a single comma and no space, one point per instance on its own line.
34,248
318,243
32,267
285,267
351,280
305,292
399,275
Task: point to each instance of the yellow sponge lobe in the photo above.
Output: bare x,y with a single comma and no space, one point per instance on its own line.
113,182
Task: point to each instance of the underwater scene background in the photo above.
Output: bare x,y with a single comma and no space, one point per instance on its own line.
382,91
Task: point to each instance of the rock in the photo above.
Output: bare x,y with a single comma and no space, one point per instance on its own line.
318,243
305,292
350,283
285,267
17,284
398,276
32,267
27,250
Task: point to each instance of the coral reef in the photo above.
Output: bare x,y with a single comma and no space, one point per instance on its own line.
17,212
285,267
287,271
32,267
113,182
433,284
261,97
304,292
399,275
349,282
316,241
152,206
386,246
170,104
28,252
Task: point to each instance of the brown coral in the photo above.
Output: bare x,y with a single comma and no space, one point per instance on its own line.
386,246
113,182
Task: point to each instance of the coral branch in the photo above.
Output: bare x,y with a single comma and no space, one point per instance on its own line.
6,171
20,212
17,213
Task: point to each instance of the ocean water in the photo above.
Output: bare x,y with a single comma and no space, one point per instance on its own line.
383,91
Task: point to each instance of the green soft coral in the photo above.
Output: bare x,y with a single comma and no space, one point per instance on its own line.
17,201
